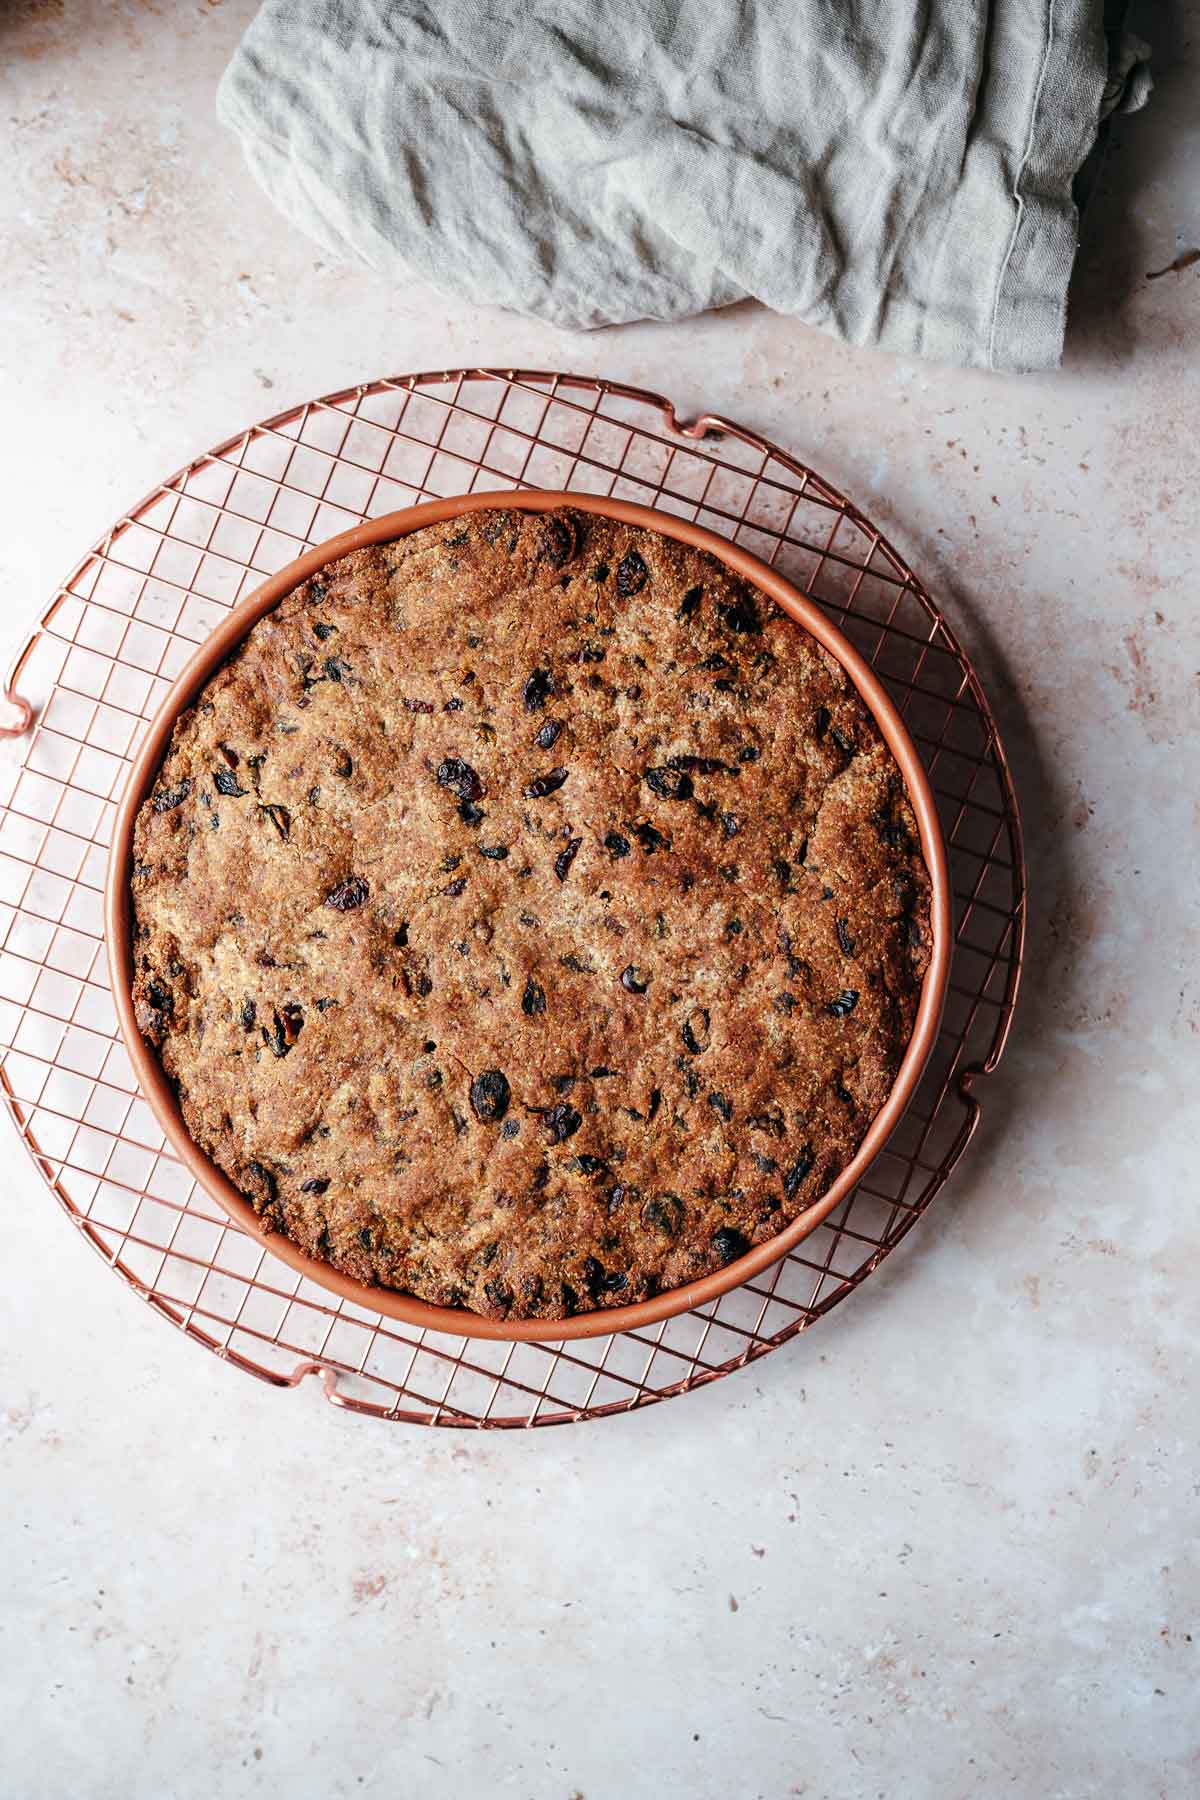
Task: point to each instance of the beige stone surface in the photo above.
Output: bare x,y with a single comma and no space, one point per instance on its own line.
944,1545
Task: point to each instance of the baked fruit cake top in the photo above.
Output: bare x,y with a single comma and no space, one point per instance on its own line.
529,915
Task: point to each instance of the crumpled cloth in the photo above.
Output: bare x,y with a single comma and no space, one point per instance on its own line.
896,172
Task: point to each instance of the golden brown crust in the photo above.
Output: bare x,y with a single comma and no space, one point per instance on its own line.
529,914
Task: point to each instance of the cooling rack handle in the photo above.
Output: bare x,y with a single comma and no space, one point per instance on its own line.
14,702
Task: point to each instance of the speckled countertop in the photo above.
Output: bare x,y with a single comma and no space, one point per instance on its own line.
943,1545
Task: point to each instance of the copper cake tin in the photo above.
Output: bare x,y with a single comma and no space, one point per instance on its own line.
160,1094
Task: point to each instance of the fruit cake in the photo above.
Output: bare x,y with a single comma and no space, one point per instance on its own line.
529,915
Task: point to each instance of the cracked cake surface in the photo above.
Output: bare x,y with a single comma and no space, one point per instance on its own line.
529,915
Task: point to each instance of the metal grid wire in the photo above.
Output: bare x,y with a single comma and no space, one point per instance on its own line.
95,673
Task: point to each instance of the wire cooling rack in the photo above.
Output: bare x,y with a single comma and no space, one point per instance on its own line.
84,687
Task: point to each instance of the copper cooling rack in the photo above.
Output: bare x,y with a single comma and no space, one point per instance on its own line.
83,688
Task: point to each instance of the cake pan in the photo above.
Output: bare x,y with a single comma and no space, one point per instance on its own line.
456,1321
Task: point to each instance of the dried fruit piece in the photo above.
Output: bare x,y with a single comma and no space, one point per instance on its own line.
277,1040
280,818
160,1001
844,939
490,1094
602,1281
729,1244
589,1165
316,1184
796,964
690,602
564,859
559,540
493,852
741,616
664,1213
891,832
337,668
498,1294
167,799
547,735
549,783
720,1103
264,1182
632,575
615,844
343,764
845,1003
695,1032
249,1013
227,783
651,839
702,765
561,1122
460,778
538,689
669,783
799,1169
348,894
323,631
533,1000
633,980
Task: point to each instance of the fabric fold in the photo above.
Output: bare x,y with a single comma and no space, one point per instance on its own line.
897,173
